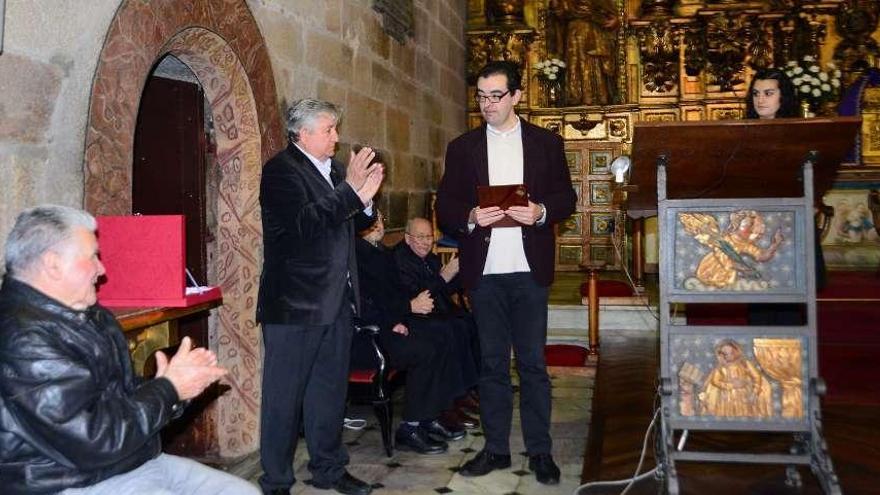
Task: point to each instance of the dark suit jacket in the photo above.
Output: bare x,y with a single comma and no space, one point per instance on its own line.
383,300
547,179
308,241
417,274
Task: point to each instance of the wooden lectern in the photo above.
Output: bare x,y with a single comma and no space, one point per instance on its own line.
734,201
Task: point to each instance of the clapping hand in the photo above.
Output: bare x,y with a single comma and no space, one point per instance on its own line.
450,269
190,370
364,176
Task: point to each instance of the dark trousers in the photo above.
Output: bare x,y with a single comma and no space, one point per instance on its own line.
511,310
425,358
458,334
305,376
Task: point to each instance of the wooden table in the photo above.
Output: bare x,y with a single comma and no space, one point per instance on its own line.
150,329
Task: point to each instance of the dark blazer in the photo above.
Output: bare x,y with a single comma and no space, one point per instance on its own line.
308,241
547,179
417,274
383,300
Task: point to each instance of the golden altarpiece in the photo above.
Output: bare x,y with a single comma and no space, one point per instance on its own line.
627,61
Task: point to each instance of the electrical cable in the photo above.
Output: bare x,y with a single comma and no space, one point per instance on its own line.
636,476
629,482
632,284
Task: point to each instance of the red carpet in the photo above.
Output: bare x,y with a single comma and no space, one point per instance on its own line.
565,355
575,355
851,285
849,349
848,334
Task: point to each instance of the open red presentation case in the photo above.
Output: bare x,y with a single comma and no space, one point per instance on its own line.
145,260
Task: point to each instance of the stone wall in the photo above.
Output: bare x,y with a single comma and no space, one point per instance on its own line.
49,57
406,100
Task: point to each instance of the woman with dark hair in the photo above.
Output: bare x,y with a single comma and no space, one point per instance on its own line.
771,95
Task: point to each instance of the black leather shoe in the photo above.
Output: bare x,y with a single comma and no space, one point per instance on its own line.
277,491
468,403
418,440
457,417
546,471
348,485
484,463
466,420
447,432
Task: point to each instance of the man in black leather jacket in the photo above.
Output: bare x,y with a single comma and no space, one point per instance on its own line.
73,417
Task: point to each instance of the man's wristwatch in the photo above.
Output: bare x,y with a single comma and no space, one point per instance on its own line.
543,212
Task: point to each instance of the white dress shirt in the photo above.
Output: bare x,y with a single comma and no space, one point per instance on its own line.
506,253
324,169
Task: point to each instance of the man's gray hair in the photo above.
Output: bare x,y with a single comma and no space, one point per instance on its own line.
37,230
303,113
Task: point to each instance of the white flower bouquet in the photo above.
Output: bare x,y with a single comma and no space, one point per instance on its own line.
551,69
813,84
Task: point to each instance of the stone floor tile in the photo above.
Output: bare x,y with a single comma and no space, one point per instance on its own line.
413,474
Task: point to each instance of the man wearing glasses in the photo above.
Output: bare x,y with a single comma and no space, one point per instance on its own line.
508,270
421,274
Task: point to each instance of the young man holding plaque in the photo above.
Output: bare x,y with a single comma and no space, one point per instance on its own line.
507,270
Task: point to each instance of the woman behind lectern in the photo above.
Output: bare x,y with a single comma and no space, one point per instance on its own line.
772,95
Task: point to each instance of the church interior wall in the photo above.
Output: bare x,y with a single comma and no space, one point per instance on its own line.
408,100
593,69
50,52
405,99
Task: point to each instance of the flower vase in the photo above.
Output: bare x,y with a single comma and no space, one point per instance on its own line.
553,93
807,110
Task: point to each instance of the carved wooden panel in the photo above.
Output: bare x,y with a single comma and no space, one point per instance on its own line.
738,250
743,378
594,225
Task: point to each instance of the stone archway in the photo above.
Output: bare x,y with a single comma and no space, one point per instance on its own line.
221,43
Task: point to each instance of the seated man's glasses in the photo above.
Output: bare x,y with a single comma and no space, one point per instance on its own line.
490,98
421,237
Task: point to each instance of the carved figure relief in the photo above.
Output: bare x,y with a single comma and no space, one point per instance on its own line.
853,235
585,33
721,380
659,50
735,386
733,253
853,221
857,50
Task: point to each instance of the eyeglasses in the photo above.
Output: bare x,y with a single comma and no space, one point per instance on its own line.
490,98
421,237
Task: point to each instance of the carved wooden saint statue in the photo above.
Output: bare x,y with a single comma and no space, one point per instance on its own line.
585,32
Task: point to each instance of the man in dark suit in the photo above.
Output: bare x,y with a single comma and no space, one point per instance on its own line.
311,207
508,270
424,354
421,270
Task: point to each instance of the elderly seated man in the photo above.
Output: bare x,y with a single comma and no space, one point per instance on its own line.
423,354
74,418
421,270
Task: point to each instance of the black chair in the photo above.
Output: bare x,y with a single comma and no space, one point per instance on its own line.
374,383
